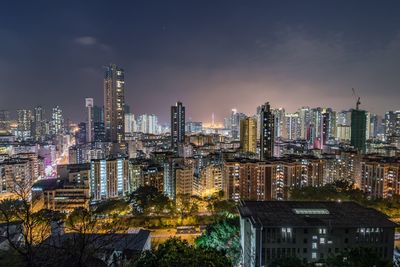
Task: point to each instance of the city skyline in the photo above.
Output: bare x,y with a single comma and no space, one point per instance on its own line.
226,56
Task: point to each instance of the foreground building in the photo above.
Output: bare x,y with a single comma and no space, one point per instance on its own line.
310,231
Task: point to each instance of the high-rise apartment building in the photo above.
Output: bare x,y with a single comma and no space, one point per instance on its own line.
114,104
130,123
184,180
233,123
380,177
147,123
39,123
57,121
194,127
99,134
392,126
293,126
4,121
358,129
267,138
108,178
24,124
279,123
89,121
177,125
248,135
304,116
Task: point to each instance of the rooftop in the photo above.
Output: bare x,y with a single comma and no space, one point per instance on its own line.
312,214
118,242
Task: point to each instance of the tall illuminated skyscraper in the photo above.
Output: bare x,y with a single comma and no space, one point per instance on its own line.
267,138
147,123
4,121
99,134
24,124
114,104
39,125
57,121
248,135
89,123
177,125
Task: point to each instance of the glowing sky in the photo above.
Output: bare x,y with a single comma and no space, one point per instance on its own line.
212,55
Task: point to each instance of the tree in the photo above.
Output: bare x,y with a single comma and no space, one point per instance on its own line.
175,252
147,199
113,207
223,236
186,205
86,238
25,228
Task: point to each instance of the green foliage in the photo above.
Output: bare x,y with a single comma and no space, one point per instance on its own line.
225,208
147,199
114,206
175,252
358,257
223,236
186,205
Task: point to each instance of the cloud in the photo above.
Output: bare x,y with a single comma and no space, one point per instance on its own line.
86,40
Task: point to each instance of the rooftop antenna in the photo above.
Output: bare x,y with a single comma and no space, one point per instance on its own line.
357,97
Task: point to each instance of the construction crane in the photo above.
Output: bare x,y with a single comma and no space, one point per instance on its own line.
357,97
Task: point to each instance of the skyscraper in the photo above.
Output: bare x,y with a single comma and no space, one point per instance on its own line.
57,121
114,104
392,126
267,138
98,124
147,123
24,124
39,125
358,126
130,123
177,125
4,121
89,123
248,135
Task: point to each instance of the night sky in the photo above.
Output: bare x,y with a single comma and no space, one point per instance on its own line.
212,55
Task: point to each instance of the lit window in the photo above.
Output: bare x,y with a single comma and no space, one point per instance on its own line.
314,255
314,245
322,240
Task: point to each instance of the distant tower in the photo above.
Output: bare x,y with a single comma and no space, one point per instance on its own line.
177,125
57,121
24,124
248,135
89,124
4,121
267,137
38,119
358,129
114,104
